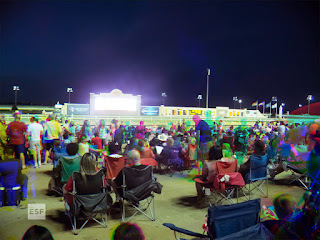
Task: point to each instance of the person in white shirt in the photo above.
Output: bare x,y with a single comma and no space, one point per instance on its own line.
34,132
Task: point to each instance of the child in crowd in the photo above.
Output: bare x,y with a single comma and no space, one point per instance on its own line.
128,231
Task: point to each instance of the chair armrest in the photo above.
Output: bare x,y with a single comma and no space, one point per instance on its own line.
184,231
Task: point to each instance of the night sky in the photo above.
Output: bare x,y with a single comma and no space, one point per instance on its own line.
255,50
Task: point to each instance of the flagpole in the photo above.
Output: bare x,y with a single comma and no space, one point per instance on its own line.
263,106
270,108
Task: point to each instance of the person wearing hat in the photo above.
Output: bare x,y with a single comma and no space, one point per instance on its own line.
16,132
34,133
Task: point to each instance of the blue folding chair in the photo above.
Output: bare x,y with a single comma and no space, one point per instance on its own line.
227,220
257,175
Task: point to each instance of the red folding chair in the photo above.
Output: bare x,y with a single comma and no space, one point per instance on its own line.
228,181
114,165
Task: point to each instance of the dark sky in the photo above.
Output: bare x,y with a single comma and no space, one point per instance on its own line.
255,50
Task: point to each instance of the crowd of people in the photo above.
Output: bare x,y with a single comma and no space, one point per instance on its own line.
173,147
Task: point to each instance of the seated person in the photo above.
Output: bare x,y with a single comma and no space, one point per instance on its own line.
170,155
258,154
96,140
297,160
296,223
145,152
10,172
209,171
57,152
88,180
284,206
83,145
66,165
134,157
37,232
226,150
155,141
128,231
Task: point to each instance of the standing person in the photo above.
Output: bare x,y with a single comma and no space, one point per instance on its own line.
203,136
10,173
3,136
104,133
86,130
51,131
34,133
16,132
140,130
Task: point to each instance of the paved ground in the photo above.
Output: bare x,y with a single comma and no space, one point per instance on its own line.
177,204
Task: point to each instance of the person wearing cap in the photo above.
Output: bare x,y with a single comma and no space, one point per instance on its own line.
34,133
3,136
16,132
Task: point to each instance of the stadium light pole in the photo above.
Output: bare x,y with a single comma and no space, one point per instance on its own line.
15,89
235,99
164,95
69,90
274,99
309,98
240,101
199,98
207,102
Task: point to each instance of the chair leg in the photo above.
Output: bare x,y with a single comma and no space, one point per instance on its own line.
74,226
123,211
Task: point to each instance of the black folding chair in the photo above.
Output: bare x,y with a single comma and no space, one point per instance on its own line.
237,220
139,187
89,206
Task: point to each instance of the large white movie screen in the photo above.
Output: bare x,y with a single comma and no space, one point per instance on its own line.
112,103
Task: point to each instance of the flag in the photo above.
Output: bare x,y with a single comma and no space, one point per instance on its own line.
261,104
268,105
274,105
254,104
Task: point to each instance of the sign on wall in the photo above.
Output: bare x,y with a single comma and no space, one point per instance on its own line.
149,111
78,109
195,112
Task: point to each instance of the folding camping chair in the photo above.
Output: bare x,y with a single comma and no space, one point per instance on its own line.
257,175
89,205
227,182
236,221
66,165
114,164
139,185
299,171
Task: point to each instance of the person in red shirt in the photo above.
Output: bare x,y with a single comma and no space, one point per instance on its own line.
16,132
96,140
